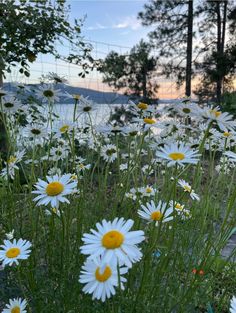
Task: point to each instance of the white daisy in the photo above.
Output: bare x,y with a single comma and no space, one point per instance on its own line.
85,106
187,109
54,190
59,153
11,164
16,305
187,188
223,119
148,191
180,209
131,130
10,104
35,130
48,93
101,278
157,213
109,153
10,235
233,305
114,242
63,127
179,154
80,163
11,252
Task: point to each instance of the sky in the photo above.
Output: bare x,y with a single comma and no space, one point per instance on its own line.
111,21
108,25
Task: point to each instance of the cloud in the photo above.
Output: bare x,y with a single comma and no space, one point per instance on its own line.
128,22
96,27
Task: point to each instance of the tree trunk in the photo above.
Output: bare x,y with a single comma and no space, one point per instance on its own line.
223,39
144,82
3,137
189,50
218,47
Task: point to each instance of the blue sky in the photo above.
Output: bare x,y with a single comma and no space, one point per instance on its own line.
110,21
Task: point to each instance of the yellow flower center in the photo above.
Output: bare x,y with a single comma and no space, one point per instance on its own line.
226,134
156,215
103,276
178,206
176,156
64,128
112,239
12,159
142,106
81,166
76,97
74,177
148,190
16,309
54,188
187,188
216,113
149,120
13,253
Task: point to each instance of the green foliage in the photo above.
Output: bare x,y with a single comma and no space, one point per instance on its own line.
229,102
33,27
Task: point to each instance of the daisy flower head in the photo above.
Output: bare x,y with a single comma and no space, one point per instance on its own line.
10,104
10,235
11,164
156,213
101,278
180,209
109,153
148,191
223,119
55,78
131,130
187,188
187,109
85,105
35,131
46,92
178,153
64,127
54,190
233,305
12,251
16,305
114,242
81,165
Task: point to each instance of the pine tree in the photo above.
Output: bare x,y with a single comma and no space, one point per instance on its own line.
131,73
172,36
217,64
